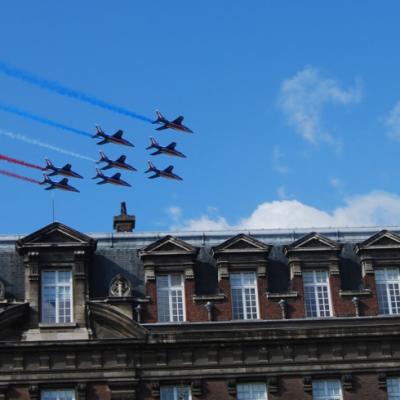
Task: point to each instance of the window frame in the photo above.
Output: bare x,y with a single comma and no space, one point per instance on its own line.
326,395
56,285
242,287
389,386
315,285
387,282
175,391
169,290
250,396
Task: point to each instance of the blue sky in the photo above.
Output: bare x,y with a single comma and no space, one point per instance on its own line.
295,108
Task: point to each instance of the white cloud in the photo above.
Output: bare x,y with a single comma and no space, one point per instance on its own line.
281,192
174,212
277,161
303,96
393,122
372,209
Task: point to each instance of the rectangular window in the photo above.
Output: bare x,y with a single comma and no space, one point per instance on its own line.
388,290
327,390
244,295
175,393
57,395
393,388
317,293
170,298
56,296
252,391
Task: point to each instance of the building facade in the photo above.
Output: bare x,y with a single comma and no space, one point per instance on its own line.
220,315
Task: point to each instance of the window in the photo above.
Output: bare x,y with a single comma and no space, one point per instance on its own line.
56,296
175,393
316,293
170,298
244,295
393,388
327,390
388,290
57,395
252,391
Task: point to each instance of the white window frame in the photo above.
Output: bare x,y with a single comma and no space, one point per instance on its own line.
57,394
243,287
56,285
324,385
393,388
316,286
251,391
175,392
170,289
389,303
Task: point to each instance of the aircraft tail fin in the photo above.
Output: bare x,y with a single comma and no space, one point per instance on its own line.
153,144
160,117
103,157
99,174
45,180
49,164
99,132
151,168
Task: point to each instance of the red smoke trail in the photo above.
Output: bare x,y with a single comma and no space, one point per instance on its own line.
15,161
23,178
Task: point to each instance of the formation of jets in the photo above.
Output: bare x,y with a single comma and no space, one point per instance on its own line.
120,163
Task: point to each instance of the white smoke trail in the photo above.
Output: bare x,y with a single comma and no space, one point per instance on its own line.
25,139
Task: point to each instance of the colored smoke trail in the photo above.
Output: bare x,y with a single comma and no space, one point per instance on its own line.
25,139
20,162
42,120
23,178
64,91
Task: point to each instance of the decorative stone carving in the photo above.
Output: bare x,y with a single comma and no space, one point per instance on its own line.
283,305
307,383
2,291
232,386
347,381
120,287
273,384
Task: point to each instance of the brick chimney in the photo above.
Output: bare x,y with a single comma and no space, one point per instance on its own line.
124,222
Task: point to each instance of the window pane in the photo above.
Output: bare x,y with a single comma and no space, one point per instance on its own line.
58,395
393,388
170,298
244,295
252,391
316,293
327,390
388,290
175,393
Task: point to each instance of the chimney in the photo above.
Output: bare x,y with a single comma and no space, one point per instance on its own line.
124,222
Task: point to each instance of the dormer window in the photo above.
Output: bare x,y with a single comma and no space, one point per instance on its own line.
244,295
170,298
317,294
388,290
56,291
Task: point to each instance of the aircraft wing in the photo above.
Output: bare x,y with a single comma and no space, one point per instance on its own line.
118,134
161,128
121,159
64,181
169,169
66,167
171,146
116,176
178,120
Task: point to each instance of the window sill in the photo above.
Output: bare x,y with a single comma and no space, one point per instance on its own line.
68,325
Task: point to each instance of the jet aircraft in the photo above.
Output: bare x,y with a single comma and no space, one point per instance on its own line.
118,163
164,173
115,179
116,138
65,170
169,150
63,184
175,124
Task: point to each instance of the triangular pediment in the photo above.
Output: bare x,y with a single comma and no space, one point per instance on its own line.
381,240
314,241
56,233
169,245
242,242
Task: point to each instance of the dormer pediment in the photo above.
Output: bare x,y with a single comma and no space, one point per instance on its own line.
241,243
313,242
383,240
168,245
53,236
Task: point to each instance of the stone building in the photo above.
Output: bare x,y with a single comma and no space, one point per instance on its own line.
219,315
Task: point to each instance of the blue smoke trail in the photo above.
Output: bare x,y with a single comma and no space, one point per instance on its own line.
64,91
42,120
